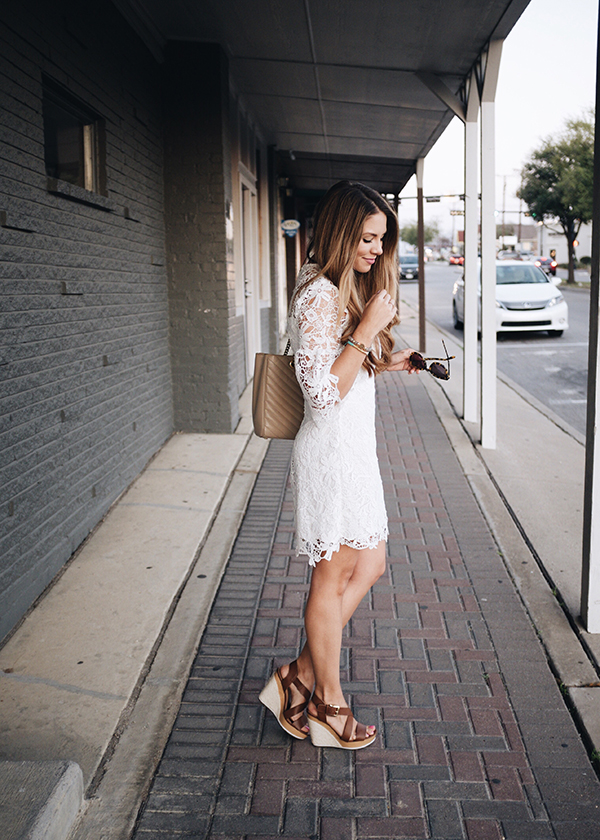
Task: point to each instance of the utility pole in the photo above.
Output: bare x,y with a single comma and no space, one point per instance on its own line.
421,252
590,576
503,210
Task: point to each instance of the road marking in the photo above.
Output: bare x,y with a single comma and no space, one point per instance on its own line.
566,402
522,347
552,369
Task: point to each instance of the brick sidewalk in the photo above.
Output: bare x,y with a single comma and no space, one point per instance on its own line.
475,740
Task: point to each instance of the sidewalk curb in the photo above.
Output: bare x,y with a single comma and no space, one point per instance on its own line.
111,812
569,658
39,800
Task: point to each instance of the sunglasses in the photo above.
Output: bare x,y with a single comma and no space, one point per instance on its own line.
435,368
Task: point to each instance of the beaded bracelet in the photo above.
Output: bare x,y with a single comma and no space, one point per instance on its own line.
352,342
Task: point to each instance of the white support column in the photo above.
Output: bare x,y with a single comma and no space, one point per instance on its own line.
488,247
590,577
421,252
471,267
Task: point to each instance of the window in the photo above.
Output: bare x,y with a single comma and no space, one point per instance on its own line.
73,140
512,274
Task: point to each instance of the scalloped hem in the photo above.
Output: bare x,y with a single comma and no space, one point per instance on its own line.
322,551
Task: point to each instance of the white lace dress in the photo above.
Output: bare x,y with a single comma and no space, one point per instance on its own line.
335,474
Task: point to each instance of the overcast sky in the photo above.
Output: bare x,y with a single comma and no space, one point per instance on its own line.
547,74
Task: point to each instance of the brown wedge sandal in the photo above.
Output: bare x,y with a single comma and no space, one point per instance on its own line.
324,735
275,697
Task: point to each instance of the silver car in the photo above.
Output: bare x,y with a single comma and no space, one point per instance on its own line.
526,299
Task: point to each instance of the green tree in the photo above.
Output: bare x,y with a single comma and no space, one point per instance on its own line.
557,181
409,233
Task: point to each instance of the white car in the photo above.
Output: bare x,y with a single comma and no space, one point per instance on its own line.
526,299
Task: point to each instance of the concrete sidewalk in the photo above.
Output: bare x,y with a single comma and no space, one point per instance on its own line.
97,668
476,740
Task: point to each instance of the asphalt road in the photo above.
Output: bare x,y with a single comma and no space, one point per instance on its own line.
554,370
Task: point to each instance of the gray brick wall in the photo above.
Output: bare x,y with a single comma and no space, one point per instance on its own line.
198,192
85,382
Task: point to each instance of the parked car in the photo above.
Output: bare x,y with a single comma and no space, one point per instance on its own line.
409,267
508,255
546,264
456,259
526,299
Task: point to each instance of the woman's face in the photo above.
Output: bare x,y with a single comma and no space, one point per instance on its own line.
371,242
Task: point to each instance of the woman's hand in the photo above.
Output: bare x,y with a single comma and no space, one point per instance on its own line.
401,361
377,314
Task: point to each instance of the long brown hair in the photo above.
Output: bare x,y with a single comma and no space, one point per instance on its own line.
338,226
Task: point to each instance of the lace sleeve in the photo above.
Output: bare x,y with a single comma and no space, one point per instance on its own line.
318,334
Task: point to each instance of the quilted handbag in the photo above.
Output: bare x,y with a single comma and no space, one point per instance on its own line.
277,401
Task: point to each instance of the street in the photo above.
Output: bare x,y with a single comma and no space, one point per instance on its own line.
554,370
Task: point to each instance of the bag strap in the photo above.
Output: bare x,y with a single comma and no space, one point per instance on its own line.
287,347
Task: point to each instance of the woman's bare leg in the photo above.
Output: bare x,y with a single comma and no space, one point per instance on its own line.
369,568
337,588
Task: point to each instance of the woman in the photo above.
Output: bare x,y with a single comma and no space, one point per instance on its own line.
341,315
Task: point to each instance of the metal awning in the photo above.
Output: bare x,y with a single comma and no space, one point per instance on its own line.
334,81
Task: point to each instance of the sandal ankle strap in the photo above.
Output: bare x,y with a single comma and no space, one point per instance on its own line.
292,678
324,709
332,710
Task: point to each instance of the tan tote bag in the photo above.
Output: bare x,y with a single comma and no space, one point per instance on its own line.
277,401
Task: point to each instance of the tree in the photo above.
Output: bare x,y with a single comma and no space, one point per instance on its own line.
409,233
557,181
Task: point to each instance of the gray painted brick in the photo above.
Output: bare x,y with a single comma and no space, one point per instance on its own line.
92,323
79,430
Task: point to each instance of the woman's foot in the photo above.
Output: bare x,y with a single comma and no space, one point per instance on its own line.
287,697
334,725
296,695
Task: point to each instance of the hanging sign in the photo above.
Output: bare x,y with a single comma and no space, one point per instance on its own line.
290,226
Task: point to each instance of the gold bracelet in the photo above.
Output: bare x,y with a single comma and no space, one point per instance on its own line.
358,346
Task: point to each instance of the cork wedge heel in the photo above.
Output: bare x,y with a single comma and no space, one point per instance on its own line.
276,698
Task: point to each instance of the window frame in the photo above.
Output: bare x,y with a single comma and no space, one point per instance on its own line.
92,138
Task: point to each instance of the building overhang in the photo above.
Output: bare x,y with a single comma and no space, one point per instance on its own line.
342,89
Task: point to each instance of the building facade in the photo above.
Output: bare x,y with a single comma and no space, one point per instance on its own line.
141,268
149,153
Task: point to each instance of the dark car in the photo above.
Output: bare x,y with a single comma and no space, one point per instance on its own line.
409,267
546,264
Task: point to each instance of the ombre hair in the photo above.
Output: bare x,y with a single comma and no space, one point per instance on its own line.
337,230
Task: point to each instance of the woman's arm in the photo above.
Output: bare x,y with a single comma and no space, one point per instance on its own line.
315,317
324,376
378,313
